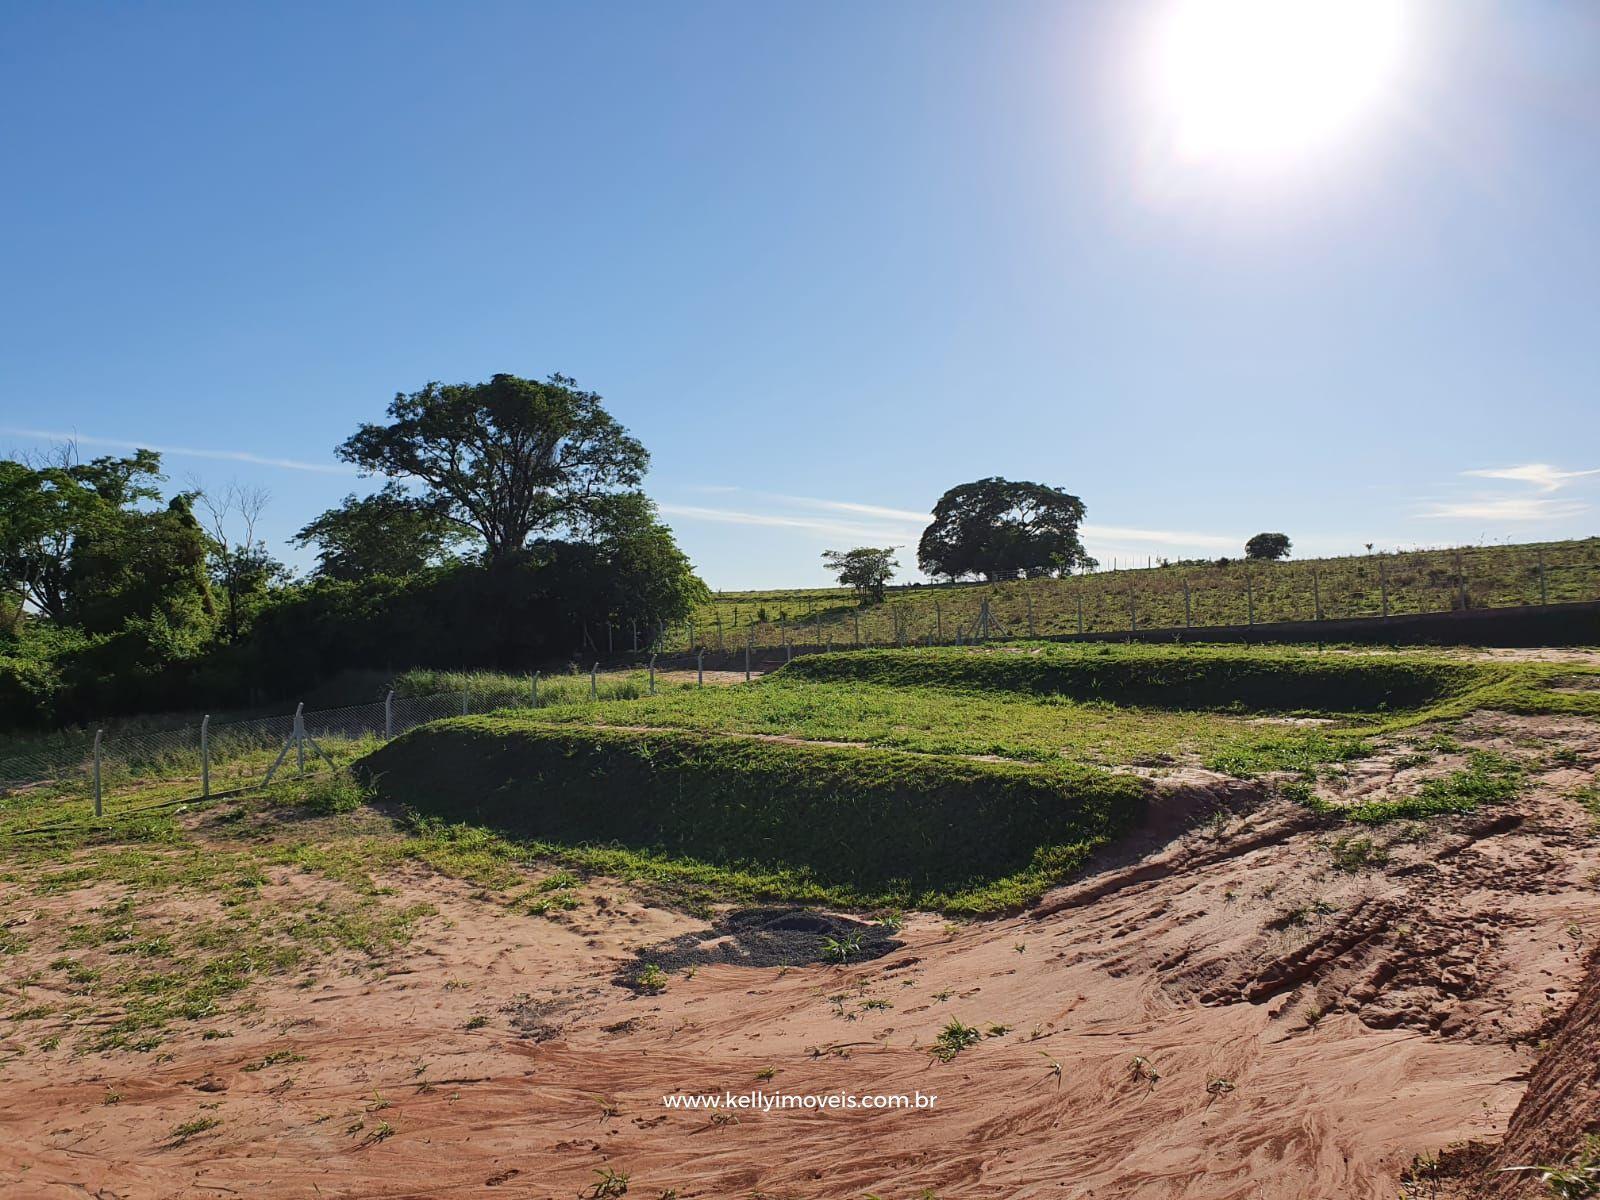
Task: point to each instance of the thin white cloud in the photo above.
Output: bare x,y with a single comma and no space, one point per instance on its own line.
242,456
1542,475
881,534
1163,537
866,510
1506,508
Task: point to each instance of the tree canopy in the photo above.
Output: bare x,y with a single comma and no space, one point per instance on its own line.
867,569
504,460
390,532
1267,546
1001,529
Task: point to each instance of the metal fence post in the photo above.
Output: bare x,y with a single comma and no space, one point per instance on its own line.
99,734
594,682
300,733
205,756
700,669
652,674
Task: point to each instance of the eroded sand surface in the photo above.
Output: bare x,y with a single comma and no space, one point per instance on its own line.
1232,1015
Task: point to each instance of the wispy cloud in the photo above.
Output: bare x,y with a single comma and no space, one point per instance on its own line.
875,533
1542,475
240,456
1160,537
1506,508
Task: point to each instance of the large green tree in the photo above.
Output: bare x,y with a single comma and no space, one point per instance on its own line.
506,460
1001,529
390,532
50,509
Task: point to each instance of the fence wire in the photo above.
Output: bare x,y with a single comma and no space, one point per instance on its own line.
217,757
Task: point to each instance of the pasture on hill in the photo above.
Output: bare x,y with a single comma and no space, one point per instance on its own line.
1226,592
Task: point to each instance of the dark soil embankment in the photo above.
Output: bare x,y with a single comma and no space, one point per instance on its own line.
1562,1105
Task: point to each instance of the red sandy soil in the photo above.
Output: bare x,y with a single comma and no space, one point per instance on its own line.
1300,1031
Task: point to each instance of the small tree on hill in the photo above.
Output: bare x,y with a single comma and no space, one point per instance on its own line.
866,569
1267,547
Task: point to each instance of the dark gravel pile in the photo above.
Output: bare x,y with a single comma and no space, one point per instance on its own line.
766,937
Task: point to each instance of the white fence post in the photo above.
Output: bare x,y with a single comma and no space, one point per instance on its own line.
205,757
99,810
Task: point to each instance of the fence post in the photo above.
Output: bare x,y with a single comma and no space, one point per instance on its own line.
98,808
1383,588
1249,600
463,699
633,627
700,669
1188,614
300,733
594,682
856,618
1544,591
205,756
938,624
611,646
535,681
747,659
1316,595
652,674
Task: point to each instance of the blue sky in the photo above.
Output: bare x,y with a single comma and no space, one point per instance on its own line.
825,260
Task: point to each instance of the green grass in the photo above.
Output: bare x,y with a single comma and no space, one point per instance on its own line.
867,826
1418,582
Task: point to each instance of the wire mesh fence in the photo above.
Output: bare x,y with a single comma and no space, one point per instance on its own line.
206,758
1172,597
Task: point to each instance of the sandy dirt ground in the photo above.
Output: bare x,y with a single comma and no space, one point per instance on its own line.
1217,1011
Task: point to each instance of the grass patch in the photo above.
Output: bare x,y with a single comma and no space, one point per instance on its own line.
874,827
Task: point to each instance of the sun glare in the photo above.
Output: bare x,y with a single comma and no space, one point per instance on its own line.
1260,83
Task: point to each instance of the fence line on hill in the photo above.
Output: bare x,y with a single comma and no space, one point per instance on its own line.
205,759
1166,597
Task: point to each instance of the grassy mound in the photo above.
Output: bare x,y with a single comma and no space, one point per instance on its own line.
1170,677
865,826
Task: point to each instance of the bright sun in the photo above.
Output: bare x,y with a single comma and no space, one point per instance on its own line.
1258,83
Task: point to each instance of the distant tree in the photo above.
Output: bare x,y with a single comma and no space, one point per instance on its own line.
504,460
1001,530
240,564
50,506
866,569
1267,546
390,532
